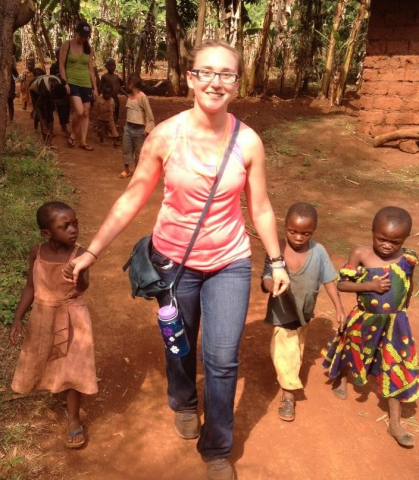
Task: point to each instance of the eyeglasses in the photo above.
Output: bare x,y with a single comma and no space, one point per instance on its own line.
204,75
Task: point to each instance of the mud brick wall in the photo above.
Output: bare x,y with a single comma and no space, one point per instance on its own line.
390,89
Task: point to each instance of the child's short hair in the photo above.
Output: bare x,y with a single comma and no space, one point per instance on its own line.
302,210
135,80
394,216
109,60
107,88
45,213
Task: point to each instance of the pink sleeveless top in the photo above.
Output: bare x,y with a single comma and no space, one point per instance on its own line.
187,183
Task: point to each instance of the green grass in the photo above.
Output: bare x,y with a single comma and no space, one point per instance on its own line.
31,178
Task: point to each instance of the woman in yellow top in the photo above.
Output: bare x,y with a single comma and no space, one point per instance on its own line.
76,68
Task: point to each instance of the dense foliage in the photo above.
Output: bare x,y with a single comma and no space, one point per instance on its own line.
283,39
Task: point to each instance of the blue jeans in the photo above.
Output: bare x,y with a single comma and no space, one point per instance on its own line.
221,299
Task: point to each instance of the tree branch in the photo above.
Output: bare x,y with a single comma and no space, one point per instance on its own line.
25,14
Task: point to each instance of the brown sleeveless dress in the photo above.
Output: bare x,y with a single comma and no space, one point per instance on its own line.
57,352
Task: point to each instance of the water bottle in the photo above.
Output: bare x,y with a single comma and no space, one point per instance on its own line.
173,331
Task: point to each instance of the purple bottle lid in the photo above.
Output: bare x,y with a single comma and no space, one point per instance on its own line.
168,312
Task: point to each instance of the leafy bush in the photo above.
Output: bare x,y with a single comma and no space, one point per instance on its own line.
32,178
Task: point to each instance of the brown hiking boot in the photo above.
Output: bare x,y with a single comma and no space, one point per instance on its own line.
187,424
220,469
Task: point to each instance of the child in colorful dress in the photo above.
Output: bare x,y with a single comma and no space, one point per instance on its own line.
57,352
377,339
140,122
309,267
25,79
105,118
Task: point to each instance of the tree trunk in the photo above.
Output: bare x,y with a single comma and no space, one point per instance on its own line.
239,46
199,32
176,50
260,55
10,12
302,57
25,13
274,44
38,48
340,10
47,40
353,39
286,31
201,22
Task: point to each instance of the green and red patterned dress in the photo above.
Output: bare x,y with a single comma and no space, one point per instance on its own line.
377,339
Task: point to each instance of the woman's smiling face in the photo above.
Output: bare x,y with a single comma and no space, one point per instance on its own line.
214,94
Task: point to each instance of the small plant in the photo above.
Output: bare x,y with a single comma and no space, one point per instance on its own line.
32,178
307,162
285,150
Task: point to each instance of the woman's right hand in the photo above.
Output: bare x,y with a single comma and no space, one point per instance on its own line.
72,270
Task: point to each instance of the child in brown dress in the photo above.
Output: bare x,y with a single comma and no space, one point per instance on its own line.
105,118
57,352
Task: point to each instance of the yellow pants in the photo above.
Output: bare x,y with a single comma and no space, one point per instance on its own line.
287,348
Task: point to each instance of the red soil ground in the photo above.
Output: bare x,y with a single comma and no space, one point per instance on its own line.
129,425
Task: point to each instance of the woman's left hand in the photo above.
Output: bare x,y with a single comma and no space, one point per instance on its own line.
281,281
72,270
95,94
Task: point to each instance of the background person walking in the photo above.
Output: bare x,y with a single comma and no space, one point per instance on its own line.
76,68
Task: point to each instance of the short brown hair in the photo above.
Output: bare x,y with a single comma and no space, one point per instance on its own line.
213,43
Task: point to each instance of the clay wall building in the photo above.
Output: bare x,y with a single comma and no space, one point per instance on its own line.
390,89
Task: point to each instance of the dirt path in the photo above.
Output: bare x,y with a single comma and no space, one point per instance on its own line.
129,425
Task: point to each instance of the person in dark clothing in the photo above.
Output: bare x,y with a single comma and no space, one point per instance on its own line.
62,105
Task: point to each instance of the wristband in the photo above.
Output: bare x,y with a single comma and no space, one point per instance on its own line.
91,253
276,259
279,266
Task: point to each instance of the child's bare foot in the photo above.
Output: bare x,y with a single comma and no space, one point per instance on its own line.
340,388
75,435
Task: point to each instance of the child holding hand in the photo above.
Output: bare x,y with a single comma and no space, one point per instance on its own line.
57,352
377,339
308,266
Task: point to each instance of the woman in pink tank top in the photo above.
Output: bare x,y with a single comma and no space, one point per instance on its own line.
213,291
